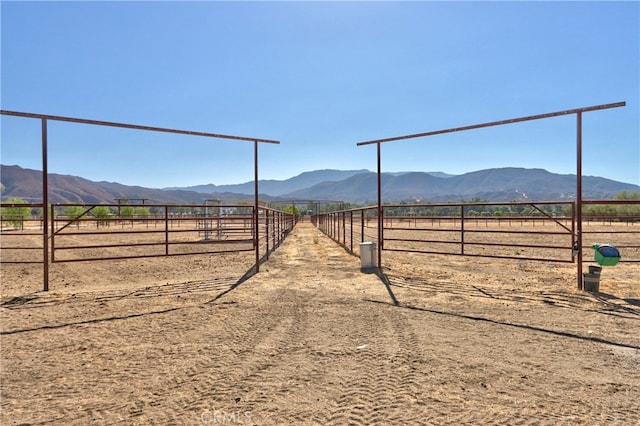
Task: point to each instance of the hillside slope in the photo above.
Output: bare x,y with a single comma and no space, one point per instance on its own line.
501,185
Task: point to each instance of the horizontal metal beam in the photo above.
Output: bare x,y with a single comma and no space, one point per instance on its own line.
134,126
496,123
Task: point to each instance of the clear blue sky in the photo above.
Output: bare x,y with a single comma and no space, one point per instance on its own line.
319,77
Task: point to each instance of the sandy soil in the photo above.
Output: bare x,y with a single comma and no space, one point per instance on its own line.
313,340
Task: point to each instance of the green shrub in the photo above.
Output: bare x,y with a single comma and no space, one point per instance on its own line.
16,215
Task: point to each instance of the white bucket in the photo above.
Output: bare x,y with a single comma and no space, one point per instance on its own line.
368,258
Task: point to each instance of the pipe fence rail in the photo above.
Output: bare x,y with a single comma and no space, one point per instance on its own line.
276,226
21,233
82,232
540,231
349,227
129,234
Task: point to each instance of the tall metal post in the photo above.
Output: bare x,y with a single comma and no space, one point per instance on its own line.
380,219
45,208
256,216
578,242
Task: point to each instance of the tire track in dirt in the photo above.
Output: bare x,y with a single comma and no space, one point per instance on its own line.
330,342
382,388
307,335
274,347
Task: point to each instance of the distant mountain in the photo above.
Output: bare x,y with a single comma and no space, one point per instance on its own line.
26,184
279,187
436,174
359,186
285,187
503,184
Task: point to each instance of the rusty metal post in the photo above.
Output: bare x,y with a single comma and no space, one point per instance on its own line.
45,208
351,229
333,225
53,231
380,219
166,230
573,230
461,228
256,216
266,225
277,218
344,228
579,196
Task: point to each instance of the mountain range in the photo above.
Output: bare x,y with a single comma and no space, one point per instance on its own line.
354,186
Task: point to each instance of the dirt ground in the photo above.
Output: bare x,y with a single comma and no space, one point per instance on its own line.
311,339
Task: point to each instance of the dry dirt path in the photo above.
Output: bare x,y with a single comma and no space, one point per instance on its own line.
308,340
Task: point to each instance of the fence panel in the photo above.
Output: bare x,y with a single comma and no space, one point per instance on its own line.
21,233
136,231
541,231
614,222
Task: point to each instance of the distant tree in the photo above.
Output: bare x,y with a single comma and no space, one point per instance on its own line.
16,215
127,211
628,212
627,195
73,213
292,210
101,213
631,211
142,212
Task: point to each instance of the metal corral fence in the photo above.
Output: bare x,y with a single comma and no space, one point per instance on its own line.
349,227
21,233
614,222
81,232
541,231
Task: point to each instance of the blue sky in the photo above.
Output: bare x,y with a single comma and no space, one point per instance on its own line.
319,77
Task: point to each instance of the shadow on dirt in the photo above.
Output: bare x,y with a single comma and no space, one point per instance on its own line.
226,284
584,301
509,324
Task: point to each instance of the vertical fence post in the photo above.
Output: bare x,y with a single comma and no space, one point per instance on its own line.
276,229
256,216
380,218
573,230
166,230
45,208
333,225
579,196
461,228
53,231
266,224
351,229
344,228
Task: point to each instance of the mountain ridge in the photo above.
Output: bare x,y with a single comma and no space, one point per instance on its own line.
359,186
500,185
278,187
